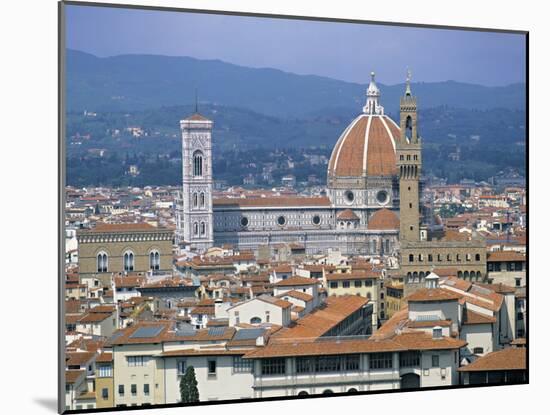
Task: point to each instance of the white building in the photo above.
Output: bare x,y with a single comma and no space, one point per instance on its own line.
362,180
262,309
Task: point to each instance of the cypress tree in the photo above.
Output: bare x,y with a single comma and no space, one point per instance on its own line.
188,386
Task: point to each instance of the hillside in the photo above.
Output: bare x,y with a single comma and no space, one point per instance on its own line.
139,82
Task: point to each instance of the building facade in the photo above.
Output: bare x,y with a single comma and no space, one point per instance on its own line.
124,248
362,180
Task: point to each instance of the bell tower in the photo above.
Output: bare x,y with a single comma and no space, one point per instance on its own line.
197,213
409,165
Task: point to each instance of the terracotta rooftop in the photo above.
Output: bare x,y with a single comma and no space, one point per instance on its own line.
94,317
78,358
196,117
328,346
347,214
512,358
417,324
71,376
470,317
433,294
505,256
275,301
322,319
203,352
354,275
128,282
383,219
104,357
156,329
298,295
296,281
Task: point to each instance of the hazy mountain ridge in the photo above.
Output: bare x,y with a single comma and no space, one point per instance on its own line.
139,82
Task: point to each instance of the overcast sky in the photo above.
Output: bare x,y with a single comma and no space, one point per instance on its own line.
338,50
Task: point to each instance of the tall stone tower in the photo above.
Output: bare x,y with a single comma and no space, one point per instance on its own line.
409,165
196,204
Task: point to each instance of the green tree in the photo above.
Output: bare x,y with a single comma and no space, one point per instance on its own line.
188,386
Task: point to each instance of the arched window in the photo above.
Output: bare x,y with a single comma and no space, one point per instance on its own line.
408,127
202,200
415,276
421,275
409,277
466,274
102,262
128,261
478,258
195,228
195,200
255,320
203,228
154,260
197,163
460,274
478,275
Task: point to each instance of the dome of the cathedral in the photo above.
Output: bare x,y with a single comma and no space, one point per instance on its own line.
367,145
366,148
383,219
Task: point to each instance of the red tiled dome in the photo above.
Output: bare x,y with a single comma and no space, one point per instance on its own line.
347,214
383,219
366,148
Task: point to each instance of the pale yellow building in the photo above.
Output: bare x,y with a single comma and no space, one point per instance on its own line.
362,283
124,248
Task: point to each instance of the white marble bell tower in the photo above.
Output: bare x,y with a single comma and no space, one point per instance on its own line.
196,212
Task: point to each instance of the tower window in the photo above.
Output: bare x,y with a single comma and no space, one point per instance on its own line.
411,258
408,127
102,262
478,258
195,200
128,261
154,260
197,163
202,200
203,229
195,228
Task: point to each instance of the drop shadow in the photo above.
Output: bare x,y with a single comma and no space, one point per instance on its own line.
48,403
